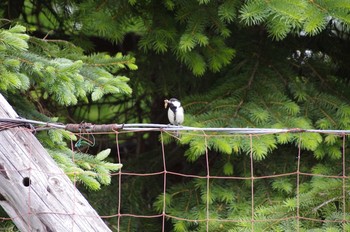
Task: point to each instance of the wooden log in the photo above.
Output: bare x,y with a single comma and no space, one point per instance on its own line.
34,191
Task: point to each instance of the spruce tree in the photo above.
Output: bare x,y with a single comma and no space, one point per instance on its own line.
276,64
59,72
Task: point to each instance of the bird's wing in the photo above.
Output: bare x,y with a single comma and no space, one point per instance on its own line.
180,115
171,116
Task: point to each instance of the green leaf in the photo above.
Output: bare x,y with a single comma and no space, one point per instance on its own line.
68,135
335,152
132,66
283,185
14,38
197,148
97,94
262,145
227,11
103,154
221,144
89,181
258,114
253,12
315,24
310,141
180,226
17,29
187,42
55,135
290,203
103,175
331,139
112,166
278,29
201,39
203,1
197,64
284,138
228,168
85,165
291,107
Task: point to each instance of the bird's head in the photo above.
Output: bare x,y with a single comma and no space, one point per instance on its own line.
172,102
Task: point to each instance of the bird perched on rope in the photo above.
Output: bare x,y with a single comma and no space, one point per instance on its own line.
175,111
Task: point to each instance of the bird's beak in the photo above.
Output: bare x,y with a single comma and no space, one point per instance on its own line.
166,101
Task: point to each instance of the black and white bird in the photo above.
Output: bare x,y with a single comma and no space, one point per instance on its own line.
175,111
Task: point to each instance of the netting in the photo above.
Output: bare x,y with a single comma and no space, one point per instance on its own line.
208,217
252,178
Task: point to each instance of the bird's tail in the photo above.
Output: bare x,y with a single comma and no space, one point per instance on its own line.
177,133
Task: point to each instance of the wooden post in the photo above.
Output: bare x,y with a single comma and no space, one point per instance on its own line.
34,191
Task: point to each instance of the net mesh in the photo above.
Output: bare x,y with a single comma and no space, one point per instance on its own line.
205,217
210,214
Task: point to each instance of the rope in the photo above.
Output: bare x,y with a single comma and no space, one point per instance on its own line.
91,128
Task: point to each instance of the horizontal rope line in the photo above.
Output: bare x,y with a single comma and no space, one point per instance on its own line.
185,175
139,127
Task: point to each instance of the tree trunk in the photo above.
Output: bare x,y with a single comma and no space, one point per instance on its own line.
34,191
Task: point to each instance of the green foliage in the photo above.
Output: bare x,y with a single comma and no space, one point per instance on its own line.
320,198
248,79
283,17
228,168
196,37
13,40
58,70
90,171
267,96
266,103
282,185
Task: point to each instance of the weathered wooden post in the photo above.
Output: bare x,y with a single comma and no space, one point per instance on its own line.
34,191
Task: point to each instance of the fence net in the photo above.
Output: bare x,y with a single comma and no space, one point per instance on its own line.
264,212
212,200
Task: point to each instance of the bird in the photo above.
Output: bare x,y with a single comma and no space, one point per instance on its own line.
175,111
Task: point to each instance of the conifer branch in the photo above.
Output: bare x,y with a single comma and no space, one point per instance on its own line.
325,203
255,68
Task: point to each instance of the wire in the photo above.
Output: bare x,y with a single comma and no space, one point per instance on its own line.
89,127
